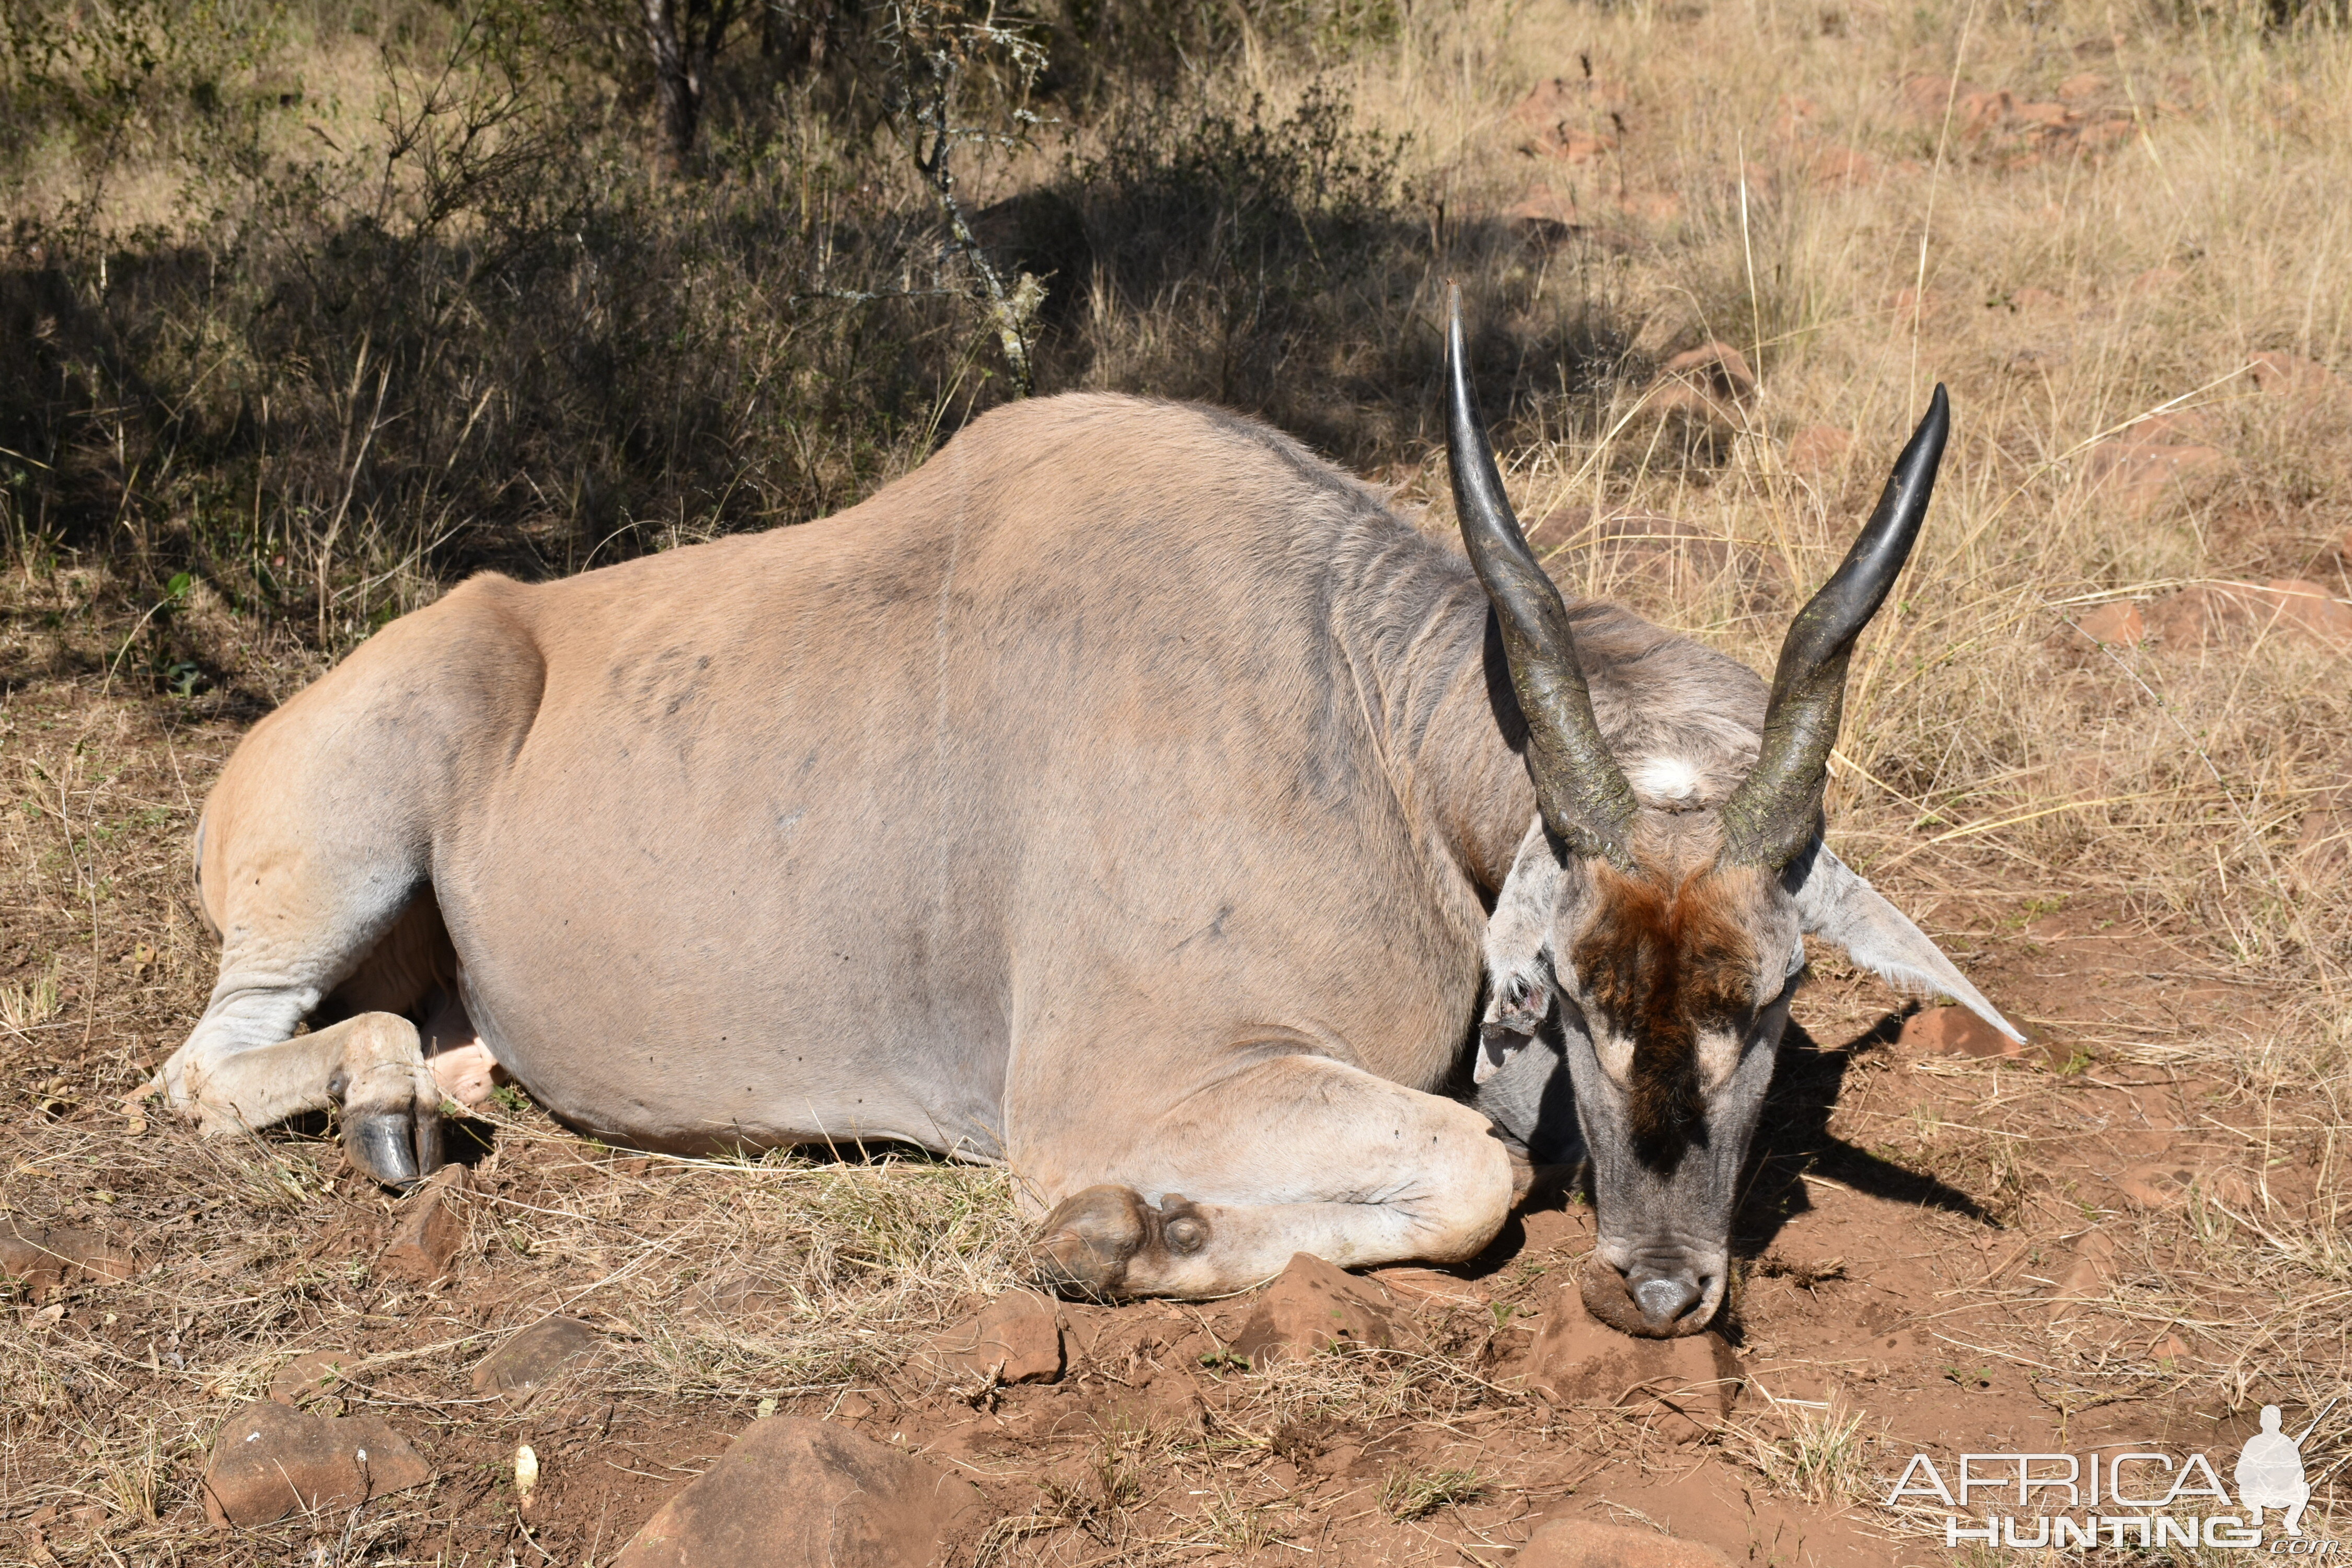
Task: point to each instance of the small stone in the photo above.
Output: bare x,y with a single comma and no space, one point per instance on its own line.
516,1369
1017,1338
2119,623
270,1460
429,1230
2093,1266
1314,1306
2082,87
734,1295
309,1376
1955,1031
1687,1385
1588,1544
790,1492
2310,609
2157,1184
1720,367
44,1261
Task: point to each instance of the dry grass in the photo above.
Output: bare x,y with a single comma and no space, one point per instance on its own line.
1997,772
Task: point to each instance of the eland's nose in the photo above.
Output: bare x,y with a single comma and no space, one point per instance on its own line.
1663,1298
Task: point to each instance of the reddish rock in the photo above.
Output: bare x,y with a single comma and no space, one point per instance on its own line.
2157,1184
1017,1338
2082,87
1717,366
2093,1266
2120,623
1588,1544
271,1459
518,1369
44,1261
736,1293
2309,608
2301,381
1686,1386
309,1377
429,1228
2139,475
1313,1306
1955,1031
1818,448
2222,612
792,1493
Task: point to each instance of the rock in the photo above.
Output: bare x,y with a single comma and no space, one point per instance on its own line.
795,1493
2120,622
2156,1184
1818,448
518,1368
1314,1306
2139,475
2082,87
733,1294
44,1261
2094,1264
2223,611
309,1377
1689,1385
2305,383
1715,375
270,1460
1955,1031
2309,608
1017,1338
1588,1544
429,1230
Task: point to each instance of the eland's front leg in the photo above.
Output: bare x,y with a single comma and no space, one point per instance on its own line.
1298,1155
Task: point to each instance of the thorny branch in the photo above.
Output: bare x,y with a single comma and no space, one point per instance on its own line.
935,45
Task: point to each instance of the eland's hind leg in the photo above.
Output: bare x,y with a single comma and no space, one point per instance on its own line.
314,864
1299,1154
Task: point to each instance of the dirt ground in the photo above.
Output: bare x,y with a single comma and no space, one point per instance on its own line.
2089,748
1940,1253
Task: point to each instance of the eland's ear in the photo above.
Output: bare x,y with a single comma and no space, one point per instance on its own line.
1519,975
1834,903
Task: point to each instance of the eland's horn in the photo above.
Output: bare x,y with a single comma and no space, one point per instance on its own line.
1772,815
1578,787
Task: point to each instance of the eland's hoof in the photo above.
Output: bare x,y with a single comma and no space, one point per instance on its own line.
397,1148
1107,1242
1086,1244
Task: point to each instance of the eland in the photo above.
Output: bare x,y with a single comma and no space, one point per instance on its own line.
1125,796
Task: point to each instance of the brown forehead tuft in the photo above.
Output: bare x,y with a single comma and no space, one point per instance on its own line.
1663,959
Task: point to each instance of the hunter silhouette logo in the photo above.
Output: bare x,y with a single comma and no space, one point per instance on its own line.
2270,1471
2139,1499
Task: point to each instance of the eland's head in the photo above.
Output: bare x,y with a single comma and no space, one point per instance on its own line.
1657,921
